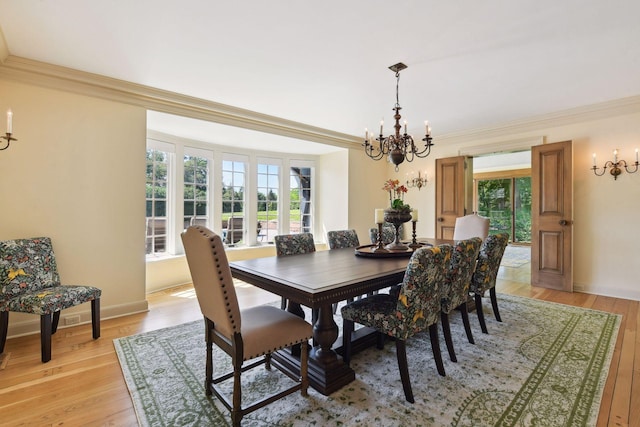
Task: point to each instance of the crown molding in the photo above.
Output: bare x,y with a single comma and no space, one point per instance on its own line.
603,110
67,79
61,78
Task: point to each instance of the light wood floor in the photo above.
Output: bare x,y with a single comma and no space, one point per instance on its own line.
83,383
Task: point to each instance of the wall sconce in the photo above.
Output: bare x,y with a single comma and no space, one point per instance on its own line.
8,137
614,166
417,182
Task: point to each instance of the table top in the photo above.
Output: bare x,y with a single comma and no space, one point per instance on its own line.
323,277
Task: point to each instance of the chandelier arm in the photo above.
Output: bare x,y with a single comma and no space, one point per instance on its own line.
629,170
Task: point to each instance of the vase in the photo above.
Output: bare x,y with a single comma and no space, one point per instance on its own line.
397,217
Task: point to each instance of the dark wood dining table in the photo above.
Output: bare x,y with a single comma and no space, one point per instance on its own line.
318,280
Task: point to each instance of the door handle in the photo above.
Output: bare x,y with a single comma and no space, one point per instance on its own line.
565,222
440,219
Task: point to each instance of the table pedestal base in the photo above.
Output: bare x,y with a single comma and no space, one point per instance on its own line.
325,379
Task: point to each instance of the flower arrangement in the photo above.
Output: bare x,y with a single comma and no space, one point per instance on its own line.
396,194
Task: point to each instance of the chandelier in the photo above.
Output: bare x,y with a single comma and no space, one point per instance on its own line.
398,147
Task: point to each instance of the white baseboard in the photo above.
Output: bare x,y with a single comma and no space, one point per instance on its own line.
24,324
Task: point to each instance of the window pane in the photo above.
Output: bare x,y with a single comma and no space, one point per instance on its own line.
196,190
233,202
267,195
300,217
157,163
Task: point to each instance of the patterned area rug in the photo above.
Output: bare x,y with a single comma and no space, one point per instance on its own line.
544,365
516,256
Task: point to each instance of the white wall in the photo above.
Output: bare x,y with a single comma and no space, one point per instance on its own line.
72,176
606,228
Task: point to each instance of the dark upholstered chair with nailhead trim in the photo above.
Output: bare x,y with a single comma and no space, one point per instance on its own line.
242,334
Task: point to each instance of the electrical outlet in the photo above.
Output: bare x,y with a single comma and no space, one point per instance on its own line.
72,320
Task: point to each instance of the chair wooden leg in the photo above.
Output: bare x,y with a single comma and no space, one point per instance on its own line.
304,363
95,318
283,303
4,327
483,324
236,410
347,329
465,322
435,348
446,330
494,304
380,339
208,377
401,353
54,323
45,337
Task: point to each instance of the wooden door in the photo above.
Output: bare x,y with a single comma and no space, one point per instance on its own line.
552,216
454,193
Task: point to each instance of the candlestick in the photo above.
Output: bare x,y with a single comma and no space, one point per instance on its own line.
380,243
414,243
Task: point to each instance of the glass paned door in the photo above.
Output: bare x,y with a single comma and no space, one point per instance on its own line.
507,204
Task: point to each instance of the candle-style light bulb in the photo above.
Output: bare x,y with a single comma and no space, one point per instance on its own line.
594,160
9,121
615,156
366,134
636,155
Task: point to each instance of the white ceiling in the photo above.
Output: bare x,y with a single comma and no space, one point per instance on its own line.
472,64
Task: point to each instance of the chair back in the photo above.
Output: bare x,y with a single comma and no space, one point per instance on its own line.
418,305
293,244
469,226
339,239
458,277
26,265
388,233
489,258
212,279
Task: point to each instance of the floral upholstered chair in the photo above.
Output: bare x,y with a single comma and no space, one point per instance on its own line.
416,308
293,244
30,283
341,239
455,289
388,233
338,239
484,277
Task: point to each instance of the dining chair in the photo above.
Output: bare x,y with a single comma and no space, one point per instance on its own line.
341,239
455,289
293,244
31,284
243,334
388,233
338,239
416,308
472,225
486,271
